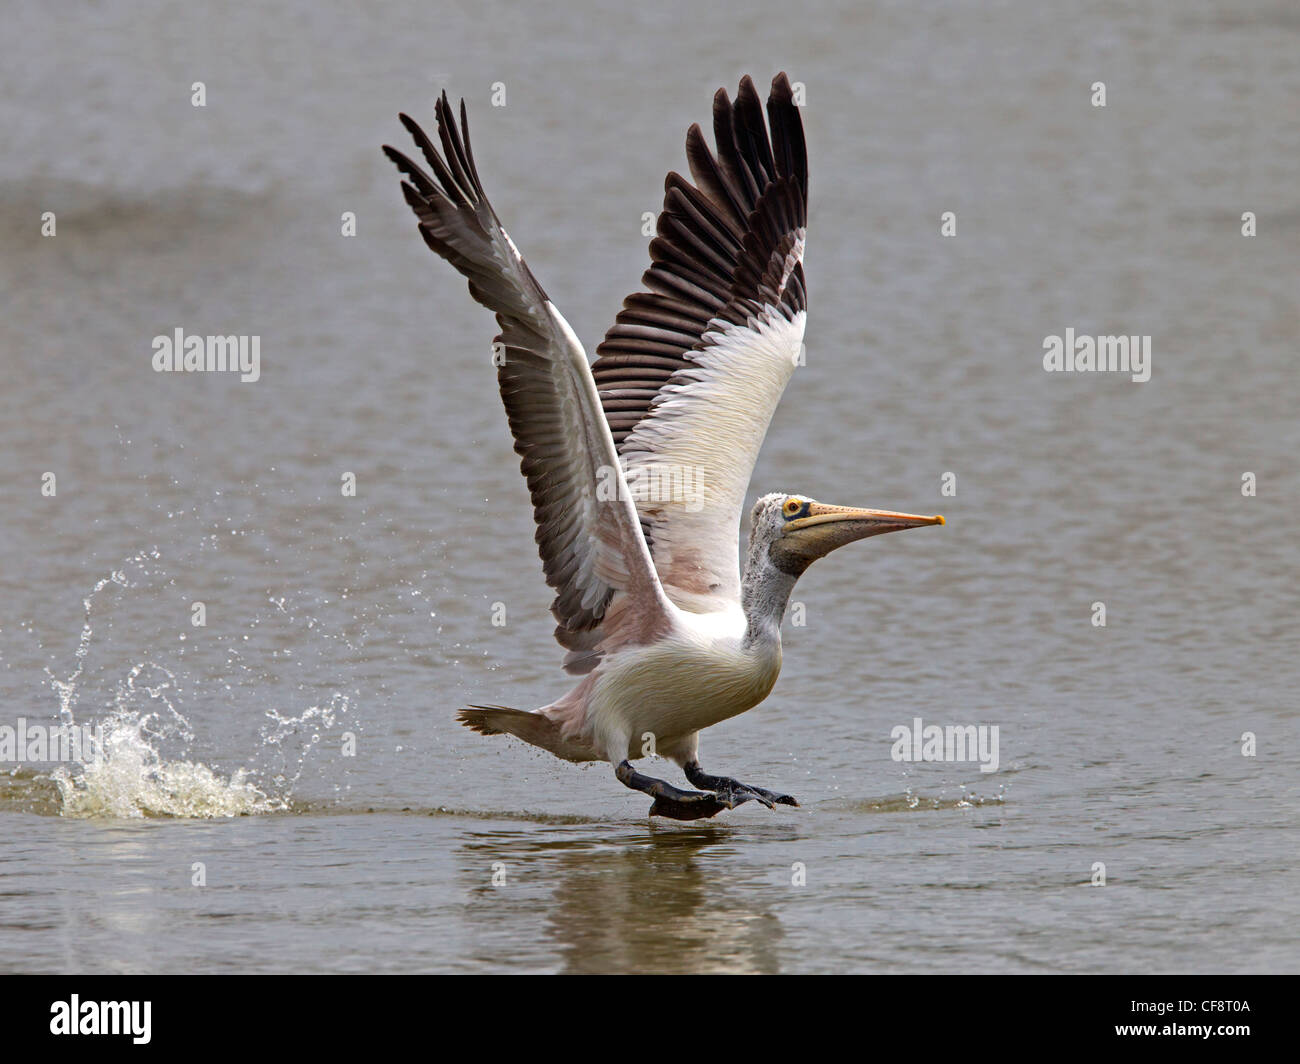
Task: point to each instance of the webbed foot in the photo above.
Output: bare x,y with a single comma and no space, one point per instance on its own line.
732,792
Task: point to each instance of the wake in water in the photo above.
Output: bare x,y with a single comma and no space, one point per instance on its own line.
140,765
909,801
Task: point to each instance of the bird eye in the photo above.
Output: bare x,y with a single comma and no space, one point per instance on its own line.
792,507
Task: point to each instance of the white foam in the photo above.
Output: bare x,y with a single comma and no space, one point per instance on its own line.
129,778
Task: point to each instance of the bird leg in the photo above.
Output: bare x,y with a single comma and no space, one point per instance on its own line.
670,801
732,792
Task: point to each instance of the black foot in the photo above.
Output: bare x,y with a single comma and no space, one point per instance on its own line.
696,806
732,792
670,801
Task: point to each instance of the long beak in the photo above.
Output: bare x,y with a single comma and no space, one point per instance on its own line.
826,527
889,521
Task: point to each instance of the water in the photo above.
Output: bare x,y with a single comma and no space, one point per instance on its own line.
367,620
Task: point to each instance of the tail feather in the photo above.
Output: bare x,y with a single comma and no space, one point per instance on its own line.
529,725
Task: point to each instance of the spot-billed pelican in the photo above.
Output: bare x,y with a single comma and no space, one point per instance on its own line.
638,464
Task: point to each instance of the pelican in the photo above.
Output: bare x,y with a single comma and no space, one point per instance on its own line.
638,463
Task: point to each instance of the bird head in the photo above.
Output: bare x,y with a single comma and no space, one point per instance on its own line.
797,530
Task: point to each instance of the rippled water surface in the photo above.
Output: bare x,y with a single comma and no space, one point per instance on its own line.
340,626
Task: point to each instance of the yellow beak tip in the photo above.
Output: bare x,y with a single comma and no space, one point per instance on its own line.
940,519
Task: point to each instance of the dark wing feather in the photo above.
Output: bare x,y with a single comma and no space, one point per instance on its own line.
592,548
727,256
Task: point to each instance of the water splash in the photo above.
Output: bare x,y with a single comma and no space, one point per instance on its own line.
130,773
910,801
142,765
66,690
282,729
129,778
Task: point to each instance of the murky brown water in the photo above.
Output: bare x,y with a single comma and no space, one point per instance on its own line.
371,616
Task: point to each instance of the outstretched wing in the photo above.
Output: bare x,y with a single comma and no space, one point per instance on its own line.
592,548
694,366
